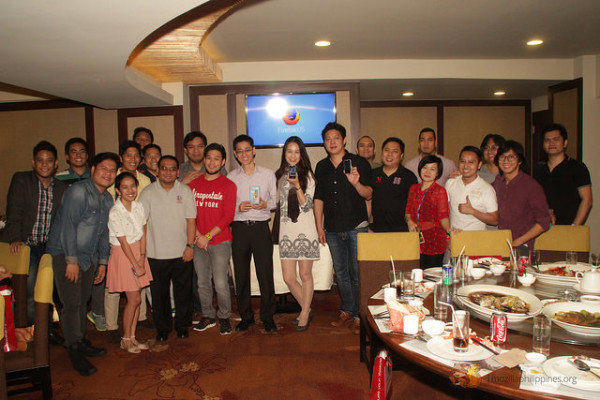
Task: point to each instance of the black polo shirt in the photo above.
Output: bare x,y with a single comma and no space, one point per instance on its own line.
561,187
343,207
390,194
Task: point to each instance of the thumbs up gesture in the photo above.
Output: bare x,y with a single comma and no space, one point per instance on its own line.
466,208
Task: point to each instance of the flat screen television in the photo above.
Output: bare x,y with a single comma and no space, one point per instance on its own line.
271,119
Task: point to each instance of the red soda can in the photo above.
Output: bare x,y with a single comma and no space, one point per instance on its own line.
523,262
499,327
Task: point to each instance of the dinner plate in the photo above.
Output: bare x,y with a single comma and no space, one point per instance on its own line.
435,272
445,349
577,287
560,280
551,309
569,375
535,305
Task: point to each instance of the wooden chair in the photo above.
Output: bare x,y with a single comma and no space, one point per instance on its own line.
481,243
3,394
19,267
32,366
374,251
562,238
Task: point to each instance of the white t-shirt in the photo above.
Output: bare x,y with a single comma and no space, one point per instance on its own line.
126,223
482,197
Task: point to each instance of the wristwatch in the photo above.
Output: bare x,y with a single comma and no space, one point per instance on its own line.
208,236
191,246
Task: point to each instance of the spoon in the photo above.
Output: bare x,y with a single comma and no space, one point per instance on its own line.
582,366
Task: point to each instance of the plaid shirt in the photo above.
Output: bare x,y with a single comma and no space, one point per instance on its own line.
39,233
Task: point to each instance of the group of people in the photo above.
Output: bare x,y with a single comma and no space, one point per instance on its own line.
141,220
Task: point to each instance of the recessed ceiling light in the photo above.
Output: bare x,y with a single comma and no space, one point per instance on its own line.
535,42
323,43
408,94
499,93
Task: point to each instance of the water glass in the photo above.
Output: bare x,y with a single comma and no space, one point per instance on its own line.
460,331
440,293
462,268
408,287
571,258
396,281
534,259
541,334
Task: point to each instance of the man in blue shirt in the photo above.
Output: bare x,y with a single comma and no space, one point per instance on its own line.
78,243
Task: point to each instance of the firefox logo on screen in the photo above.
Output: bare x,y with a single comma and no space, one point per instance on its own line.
291,117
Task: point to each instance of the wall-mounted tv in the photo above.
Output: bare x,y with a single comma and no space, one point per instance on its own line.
273,118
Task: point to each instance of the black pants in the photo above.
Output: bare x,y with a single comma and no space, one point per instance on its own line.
180,273
253,240
429,261
74,297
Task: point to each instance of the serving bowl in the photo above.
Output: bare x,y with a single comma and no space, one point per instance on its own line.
551,309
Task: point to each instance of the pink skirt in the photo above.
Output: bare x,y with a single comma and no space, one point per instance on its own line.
119,276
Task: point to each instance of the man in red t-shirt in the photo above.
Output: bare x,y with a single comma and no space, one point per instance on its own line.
215,201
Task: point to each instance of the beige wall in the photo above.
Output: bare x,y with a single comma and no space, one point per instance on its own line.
161,127
564,110
106,130
468,126
21,130
403,122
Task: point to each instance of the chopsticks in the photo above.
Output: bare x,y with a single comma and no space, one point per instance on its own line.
479,342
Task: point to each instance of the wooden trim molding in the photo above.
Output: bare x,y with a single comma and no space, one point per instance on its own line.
175,111
39,105
90,132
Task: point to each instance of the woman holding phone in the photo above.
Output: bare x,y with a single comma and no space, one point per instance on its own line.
427,212
298,239
128,269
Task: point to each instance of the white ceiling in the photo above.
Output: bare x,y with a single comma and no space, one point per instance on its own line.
78,49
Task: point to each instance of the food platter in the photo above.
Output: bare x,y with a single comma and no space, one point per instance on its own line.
551,309
535,305
549,279
560,367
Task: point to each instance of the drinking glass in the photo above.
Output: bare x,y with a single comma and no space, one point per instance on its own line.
571,258
460,331
462,268
440,293
396,281
408,286
595,259
534,259
541,334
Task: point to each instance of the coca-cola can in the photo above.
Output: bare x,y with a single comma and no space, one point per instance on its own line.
523,262
499,327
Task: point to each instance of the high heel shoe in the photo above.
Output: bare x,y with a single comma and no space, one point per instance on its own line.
127,344
140,345
302,328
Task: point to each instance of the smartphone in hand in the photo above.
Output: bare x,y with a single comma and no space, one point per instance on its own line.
347,166
292,172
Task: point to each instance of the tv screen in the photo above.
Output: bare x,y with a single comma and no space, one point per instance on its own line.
273,118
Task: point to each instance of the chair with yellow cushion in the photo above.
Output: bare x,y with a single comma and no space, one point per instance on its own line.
562,238
374,251
481,243
18,265
33,366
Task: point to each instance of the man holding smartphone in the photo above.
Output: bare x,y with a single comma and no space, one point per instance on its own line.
342,188
256,197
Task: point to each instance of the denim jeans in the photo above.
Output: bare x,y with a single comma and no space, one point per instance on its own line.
342,246
213,265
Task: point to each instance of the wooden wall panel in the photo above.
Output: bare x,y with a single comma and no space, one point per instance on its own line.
565,112
161,127
107,133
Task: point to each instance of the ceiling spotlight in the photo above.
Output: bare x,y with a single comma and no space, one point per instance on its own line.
408,94
499,93
323,43
535,42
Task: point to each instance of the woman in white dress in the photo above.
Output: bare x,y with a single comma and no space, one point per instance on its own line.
298,239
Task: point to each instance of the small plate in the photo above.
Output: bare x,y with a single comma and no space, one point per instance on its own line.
569,375
445,349
577,287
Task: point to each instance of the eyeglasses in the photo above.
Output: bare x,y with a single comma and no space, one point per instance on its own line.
242,151
508,157
488,148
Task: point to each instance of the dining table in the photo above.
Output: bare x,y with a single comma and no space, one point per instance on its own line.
503,381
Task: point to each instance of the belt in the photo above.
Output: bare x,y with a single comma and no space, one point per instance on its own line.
250,222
